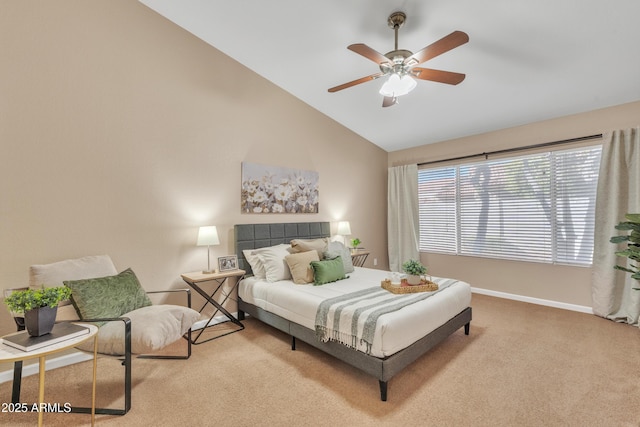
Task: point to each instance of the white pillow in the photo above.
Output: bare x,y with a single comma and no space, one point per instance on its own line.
272,259
152,328
255,263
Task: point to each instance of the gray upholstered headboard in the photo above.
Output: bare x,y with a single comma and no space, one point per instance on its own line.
254,236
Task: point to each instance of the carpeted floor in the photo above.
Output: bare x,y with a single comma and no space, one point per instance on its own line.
522,365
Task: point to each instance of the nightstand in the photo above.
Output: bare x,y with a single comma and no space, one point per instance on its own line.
358,257
196,279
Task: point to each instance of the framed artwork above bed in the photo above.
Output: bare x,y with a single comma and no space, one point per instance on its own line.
273,189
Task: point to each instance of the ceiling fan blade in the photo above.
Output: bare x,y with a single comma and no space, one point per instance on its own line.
388,101
445,44
356,82
439,76
367,52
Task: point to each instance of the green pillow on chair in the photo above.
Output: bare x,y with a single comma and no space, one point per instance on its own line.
107,297
327,271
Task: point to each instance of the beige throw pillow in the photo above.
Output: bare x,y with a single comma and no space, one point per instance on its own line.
304,245
300,266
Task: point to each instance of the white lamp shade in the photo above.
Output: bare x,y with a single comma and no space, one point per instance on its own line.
398,86
208,236
344,229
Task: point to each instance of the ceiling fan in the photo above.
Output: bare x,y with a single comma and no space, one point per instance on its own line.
400,64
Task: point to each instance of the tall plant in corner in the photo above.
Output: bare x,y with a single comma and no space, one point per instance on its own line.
632,225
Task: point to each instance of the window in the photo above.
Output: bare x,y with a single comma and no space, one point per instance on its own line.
536,207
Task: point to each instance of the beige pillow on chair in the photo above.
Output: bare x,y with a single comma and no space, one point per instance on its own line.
54,274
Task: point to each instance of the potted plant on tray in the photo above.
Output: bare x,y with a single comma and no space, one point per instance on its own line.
39,306
632,224
414,270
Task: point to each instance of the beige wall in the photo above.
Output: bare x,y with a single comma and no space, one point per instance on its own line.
551,282
121,133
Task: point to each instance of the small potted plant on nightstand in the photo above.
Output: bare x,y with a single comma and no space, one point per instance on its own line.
415,270
39,306
355,243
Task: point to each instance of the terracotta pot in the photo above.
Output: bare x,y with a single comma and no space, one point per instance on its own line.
39,321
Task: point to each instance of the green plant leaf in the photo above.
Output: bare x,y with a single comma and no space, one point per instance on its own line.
619,239
21,301
633,217
413,267
619,267
624,226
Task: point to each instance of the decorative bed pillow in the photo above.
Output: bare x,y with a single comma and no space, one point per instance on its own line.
300,266
304,245
338,249
272,258
152,328
109,296
327,271
254,261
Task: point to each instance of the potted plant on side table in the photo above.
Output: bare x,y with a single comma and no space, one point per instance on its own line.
415,270
39,306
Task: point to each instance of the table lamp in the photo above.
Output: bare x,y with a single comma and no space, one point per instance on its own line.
208,236
344,229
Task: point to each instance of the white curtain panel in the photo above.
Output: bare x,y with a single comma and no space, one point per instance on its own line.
403,224
618,194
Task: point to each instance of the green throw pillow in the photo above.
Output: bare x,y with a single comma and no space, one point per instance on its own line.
106,297
327,271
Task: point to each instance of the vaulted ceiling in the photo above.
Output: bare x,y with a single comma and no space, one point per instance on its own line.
526,61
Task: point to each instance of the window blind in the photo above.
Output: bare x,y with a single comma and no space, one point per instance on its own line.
537,207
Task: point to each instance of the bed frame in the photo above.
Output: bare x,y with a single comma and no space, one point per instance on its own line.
253,236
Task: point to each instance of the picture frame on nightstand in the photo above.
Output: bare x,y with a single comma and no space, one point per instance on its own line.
228,263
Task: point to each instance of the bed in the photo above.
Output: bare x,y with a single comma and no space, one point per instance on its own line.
400,337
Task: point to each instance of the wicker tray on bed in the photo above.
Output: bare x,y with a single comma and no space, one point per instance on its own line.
404,288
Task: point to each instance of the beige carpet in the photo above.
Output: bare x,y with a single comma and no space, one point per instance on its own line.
522,365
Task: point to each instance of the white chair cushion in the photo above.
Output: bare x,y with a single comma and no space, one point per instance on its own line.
152,328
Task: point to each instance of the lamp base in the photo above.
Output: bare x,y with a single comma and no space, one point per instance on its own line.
208,271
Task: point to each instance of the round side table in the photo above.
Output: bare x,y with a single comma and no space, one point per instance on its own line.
11,354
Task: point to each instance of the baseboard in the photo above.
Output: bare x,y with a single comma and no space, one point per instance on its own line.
539,301
50,363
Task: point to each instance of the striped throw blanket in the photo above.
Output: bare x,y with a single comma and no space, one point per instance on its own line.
351,319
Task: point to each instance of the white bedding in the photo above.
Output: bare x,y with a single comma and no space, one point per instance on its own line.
394,331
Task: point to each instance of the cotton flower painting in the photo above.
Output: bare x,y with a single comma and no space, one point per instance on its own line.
271,189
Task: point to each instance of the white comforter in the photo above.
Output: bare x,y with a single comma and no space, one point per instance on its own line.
394,331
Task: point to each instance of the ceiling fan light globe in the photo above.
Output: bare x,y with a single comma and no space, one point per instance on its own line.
398,86
390,86
408,84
